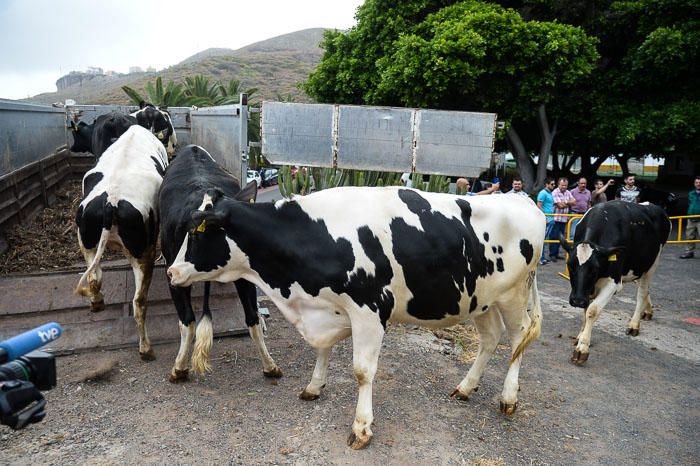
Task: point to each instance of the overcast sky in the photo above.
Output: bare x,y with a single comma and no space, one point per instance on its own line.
41,40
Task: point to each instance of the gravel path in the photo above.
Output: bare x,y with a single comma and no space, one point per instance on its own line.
635,402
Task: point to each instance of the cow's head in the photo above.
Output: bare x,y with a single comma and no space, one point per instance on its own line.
207,253
587,263
82,136
158,121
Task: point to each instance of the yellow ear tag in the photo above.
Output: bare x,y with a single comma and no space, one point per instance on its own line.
160,135
612,258
252,201
201,227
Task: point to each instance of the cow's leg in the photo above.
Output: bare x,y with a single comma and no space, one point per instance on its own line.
367,335
143,272
183,305
517,321
249,298
643,309
319,377
94,290
605,292
490,328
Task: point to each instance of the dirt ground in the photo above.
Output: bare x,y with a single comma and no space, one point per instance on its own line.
635,401
49,242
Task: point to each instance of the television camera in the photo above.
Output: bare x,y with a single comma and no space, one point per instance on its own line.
23,373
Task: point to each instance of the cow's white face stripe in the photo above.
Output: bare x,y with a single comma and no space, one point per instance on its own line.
584,252
206,201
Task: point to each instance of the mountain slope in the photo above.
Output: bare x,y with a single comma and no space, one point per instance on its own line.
275,66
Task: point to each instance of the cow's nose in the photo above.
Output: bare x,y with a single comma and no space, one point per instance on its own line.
578,302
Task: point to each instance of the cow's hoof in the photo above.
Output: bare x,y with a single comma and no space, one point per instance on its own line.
508,408
633,332
461,396
177,376
308,396
647,316
275,373
97,306
579,358
358,442
149,355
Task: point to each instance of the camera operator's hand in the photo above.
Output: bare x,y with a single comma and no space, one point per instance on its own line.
20,404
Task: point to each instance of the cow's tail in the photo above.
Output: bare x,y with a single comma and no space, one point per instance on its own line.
533,331
204,337
82,288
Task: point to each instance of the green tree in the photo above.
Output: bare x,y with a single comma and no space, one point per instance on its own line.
469,55
172,95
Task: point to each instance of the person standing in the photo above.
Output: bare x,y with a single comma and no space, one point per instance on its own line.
518,187
563,200
598,196
463,185
629,192
692,229
545,201
583,202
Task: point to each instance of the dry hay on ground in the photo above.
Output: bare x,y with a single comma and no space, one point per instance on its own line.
49,242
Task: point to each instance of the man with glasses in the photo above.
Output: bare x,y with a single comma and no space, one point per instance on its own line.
545,201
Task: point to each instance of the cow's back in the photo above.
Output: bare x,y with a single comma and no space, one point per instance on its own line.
189,176
448,254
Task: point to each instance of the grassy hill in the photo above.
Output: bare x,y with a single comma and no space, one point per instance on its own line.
275,66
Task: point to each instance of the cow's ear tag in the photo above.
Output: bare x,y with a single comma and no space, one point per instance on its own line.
160,135
252,200
201,227
612,258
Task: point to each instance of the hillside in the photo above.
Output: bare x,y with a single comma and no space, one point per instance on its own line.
275,66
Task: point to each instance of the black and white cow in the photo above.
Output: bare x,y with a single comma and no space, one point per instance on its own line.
120,210
347,261
615,242
102,133
158,121
193,181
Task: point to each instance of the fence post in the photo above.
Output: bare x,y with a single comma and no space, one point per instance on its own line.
244,137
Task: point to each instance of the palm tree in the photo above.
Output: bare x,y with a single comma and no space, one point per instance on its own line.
172,95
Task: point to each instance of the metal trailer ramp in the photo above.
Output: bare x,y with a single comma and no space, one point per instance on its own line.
378,138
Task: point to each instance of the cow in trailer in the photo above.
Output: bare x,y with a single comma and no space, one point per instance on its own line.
157,121
615,242
347,261
194,181
102,133
119,210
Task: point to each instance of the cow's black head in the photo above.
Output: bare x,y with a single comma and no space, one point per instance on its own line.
82,136
587,263
158,121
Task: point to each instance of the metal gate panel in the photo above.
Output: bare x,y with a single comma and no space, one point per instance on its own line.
28,133
375,138
303,130
378,138
217,130
454,143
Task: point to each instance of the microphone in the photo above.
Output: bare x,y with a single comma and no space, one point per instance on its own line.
22,344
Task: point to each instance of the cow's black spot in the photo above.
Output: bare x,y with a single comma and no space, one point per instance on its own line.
132,229
366,289
500,249
473,304
451,257
489,267
486,236
526,250
91,220
158,164
484,309
493,248
499,264
90,181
